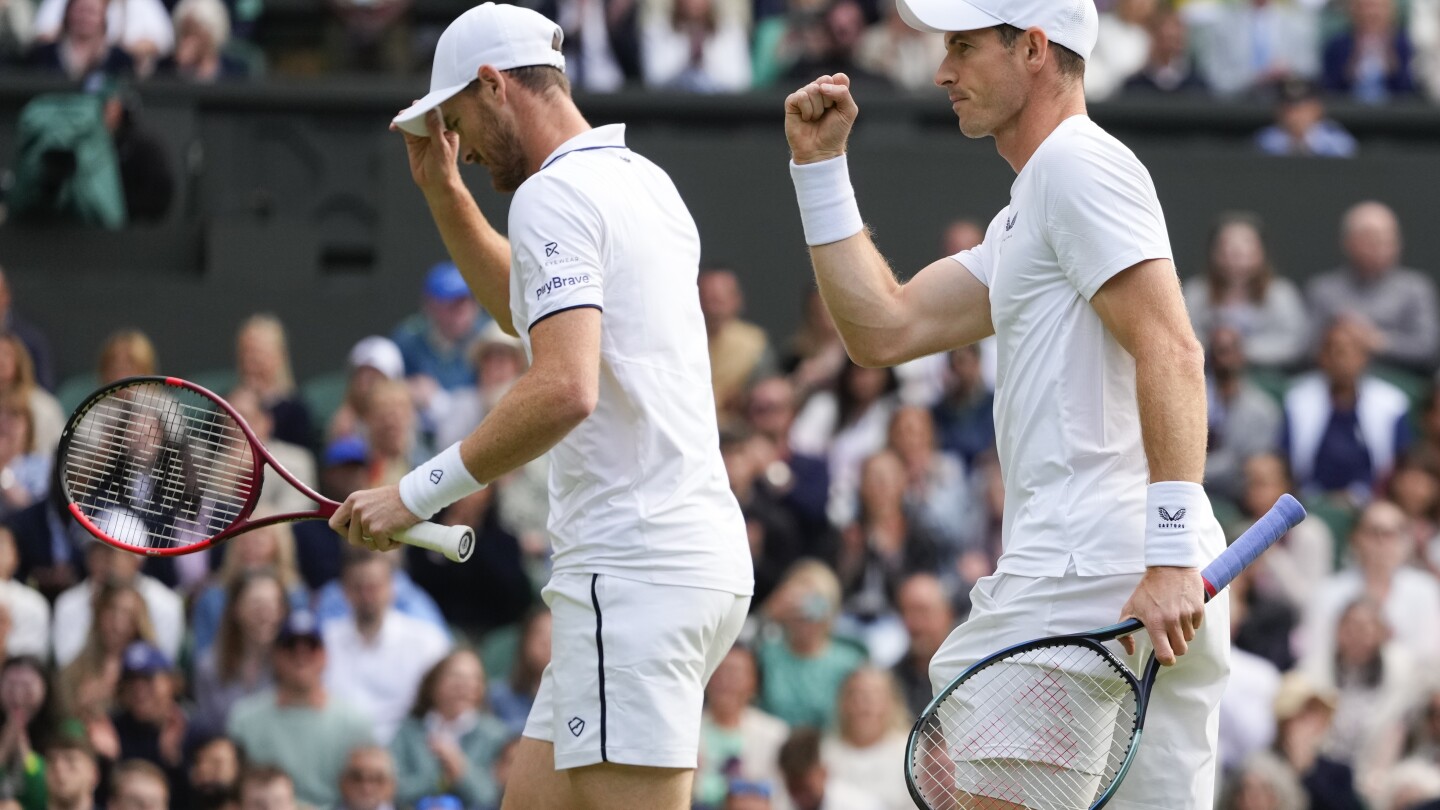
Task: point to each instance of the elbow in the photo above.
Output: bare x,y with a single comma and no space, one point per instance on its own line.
1183,355
875,353
577,401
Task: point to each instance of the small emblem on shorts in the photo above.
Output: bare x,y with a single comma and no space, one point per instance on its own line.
436,475
577,726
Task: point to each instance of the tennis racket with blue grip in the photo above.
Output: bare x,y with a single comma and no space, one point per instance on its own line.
1054,723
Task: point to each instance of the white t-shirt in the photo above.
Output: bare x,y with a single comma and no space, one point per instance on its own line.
638,490
381,677
1067,423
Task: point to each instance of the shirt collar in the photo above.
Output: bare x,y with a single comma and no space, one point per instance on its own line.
609,136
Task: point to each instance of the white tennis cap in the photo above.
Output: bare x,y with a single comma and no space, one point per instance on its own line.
1072,23
502,36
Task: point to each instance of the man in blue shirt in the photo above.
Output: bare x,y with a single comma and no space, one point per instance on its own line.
435,341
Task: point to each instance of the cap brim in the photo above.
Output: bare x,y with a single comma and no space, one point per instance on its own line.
412,118
940,16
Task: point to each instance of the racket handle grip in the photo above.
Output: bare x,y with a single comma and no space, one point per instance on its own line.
1282,517
457,543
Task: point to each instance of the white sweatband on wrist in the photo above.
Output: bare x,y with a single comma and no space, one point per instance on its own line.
827,201
1175,514
437,483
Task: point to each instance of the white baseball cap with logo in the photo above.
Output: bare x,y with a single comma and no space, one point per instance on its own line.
1072,23
504,37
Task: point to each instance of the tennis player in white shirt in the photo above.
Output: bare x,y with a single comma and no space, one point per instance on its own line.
1100,397
652,572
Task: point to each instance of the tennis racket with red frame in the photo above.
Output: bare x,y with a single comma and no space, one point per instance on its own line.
161,466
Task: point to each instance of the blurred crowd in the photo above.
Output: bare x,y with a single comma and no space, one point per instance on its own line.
1369,51
285,669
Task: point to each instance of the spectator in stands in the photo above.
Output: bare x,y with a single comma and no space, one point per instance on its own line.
1303,712
368,781
815,355
1344,427
138,785
1252,46
28,609
450,742
17,374
331,602
746,795
937,490
847,424
80,45
267,787
1301,126
88,686
268,550
499,573
146,176
202,28
964,417
27,716
372,360
691,45
276,495
1377,685
17,29
1292,569
904,55
24,468
739,351
435,343
775,541
391,428
72,774
737,740
299,725
111,567
830,43
1244,420
140,27
809,782
801,481
213,778
884,545
1395,306
237,665
871,729
369,36
777,37
36,343
929,617
317,548
1170,67
378,655
1410,598
1413,785
498,360
1247,719
1121,49
512,697
1370,62
801,672
126,353
1263,782
602,41
1242,290
1415,488
262,363
148,723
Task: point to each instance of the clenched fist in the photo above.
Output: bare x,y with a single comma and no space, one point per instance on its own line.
818,118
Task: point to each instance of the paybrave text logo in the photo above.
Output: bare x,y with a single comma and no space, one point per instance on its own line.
556,282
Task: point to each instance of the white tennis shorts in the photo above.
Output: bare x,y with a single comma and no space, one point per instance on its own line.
629,664
1175,767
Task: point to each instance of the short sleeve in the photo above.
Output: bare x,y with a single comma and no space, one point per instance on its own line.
556,249
980,260
1103,212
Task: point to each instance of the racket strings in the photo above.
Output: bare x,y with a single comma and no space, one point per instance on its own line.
1047,728
155,466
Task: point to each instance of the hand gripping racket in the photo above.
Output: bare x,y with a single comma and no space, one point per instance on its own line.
1054,723
161,466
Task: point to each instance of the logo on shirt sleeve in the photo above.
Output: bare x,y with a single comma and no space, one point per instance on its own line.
551,248
553,256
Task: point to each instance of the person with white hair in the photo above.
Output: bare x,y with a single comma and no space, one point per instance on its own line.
202,28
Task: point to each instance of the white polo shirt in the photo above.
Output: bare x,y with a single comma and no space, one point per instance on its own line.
1067,422
638,490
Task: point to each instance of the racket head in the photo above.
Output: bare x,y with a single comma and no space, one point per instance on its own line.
1050,723
159,466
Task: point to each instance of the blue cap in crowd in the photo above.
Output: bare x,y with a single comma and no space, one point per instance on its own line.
745,787
143,659
445,802
346,450
300,623
445,282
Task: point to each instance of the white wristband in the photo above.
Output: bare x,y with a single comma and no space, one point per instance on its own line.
827,201
1175,514
437,483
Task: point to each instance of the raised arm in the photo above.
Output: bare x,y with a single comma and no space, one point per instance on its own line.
881,321
481,253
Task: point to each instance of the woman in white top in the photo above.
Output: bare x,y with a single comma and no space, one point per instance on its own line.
847,425
693,46
1241,288
869,739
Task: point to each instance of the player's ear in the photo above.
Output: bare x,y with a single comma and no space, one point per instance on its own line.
1036,48
492,82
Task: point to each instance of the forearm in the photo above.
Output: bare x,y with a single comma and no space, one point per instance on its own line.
1170,386
481,253
859,290
529,420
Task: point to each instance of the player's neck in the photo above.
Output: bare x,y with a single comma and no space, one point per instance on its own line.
1018,141
547,124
